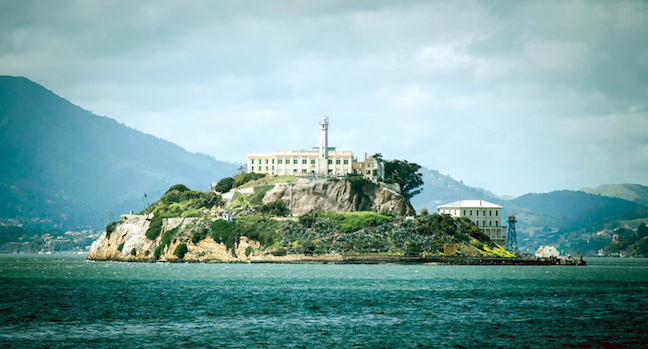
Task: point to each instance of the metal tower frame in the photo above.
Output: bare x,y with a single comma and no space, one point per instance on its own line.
511,243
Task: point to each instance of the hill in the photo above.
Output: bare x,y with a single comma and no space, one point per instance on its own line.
574,209
631,192
65,168
439,189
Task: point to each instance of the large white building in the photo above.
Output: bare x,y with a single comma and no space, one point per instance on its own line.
321,160
486,216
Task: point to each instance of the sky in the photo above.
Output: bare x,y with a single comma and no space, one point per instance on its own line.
510,96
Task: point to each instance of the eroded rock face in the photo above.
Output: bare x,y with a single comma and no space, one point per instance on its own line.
130,235
339,196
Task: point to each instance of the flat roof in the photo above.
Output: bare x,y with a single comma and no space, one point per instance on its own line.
470,204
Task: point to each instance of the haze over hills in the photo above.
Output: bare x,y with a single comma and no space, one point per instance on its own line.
64,167
632,192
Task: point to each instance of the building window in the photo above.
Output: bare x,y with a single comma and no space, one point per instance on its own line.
273,168
295,162
304,170
346,162
496,213
266,161
312,162
337,162
490,223
252,161
471,212
252,168
476,213
272,161
330,162
279,161
483,223
496,223
304,162
266,167
360,165
295,170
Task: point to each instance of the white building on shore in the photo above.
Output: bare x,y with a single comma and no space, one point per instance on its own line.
485,215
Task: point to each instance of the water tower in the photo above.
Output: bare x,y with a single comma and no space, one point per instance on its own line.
511,243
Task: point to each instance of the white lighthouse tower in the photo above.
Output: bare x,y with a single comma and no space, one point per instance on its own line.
323,146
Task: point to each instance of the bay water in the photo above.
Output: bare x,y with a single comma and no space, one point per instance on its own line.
64,301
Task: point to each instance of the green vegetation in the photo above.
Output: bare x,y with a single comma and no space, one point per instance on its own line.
199,235
347,221
316,234
629,244
224,185
154,229
110,228
259,193
279,252
179,201
248,251
242,178
276,208
134,251
406,174
180,251
120,247
165,242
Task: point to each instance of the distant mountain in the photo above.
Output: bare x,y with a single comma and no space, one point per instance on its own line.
64,167
440,189
631,192
573,209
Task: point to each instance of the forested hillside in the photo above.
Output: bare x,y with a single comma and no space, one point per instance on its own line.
64,167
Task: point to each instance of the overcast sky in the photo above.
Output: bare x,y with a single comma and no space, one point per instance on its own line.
514,97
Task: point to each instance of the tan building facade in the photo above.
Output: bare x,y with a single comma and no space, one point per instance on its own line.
292,162
321,160
486,216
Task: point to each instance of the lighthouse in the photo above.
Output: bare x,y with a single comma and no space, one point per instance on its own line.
323,146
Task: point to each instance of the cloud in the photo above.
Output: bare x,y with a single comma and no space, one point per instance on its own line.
509,96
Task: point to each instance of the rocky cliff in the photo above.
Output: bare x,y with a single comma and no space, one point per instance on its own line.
128,242
338,196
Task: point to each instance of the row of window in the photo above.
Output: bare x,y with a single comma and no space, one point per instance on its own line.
260,168
490,223
490,213
296,161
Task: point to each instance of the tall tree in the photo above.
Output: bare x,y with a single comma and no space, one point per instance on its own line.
406,175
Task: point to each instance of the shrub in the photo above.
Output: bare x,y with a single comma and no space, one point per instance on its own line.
178,187
110,228
121,246
259,193
134,251
154,229
279,252
199,235
277,208
224,185
180,251
243,178
221,230
248,251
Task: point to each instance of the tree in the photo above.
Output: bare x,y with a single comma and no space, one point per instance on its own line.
642,230
224,185
406,175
